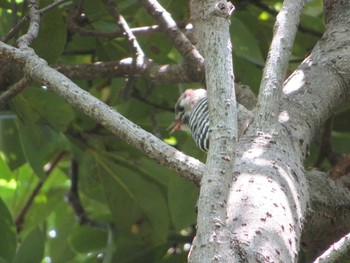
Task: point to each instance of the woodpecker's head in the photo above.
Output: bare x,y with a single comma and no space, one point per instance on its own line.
183,108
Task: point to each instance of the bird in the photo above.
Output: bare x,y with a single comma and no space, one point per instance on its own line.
192,114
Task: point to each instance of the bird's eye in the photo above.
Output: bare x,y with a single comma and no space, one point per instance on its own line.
179,108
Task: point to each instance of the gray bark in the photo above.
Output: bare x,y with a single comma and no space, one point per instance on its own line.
211,35
269,197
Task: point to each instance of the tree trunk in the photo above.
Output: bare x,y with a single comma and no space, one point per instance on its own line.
269,195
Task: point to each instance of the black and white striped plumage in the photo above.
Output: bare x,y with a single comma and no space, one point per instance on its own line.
199,124
191,113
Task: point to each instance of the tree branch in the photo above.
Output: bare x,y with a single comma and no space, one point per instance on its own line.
20,218
22,22
14,91
155,73
336,252
211,27
144,30
44,75
139,59
275,70
136,51
194,62
269,194
33,30
74,200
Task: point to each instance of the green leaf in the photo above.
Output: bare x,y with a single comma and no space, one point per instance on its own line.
8,240
47,107
127,108
341,120
10,144
108,50
6,21
247,73
175,258
44,204
32,248
95,10
85,239
314,8
6,174
244,42
52,36
39,145
160,53
313,23
341,142
155,172
36,117
5,5
129,251
16,191
90,185
126,190
182,198
61,223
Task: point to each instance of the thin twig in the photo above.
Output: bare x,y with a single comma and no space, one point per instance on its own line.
273,12
34,23
74,200
145,30
14,9
194,59
20,219
138,56
136,94
134,46
14,90
77,17
25,19
13,32
155,73
51,6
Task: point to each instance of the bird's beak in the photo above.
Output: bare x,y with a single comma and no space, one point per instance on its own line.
175,126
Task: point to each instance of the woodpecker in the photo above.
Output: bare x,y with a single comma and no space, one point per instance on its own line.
191,113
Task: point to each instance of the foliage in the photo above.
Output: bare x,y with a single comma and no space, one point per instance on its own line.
146,213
